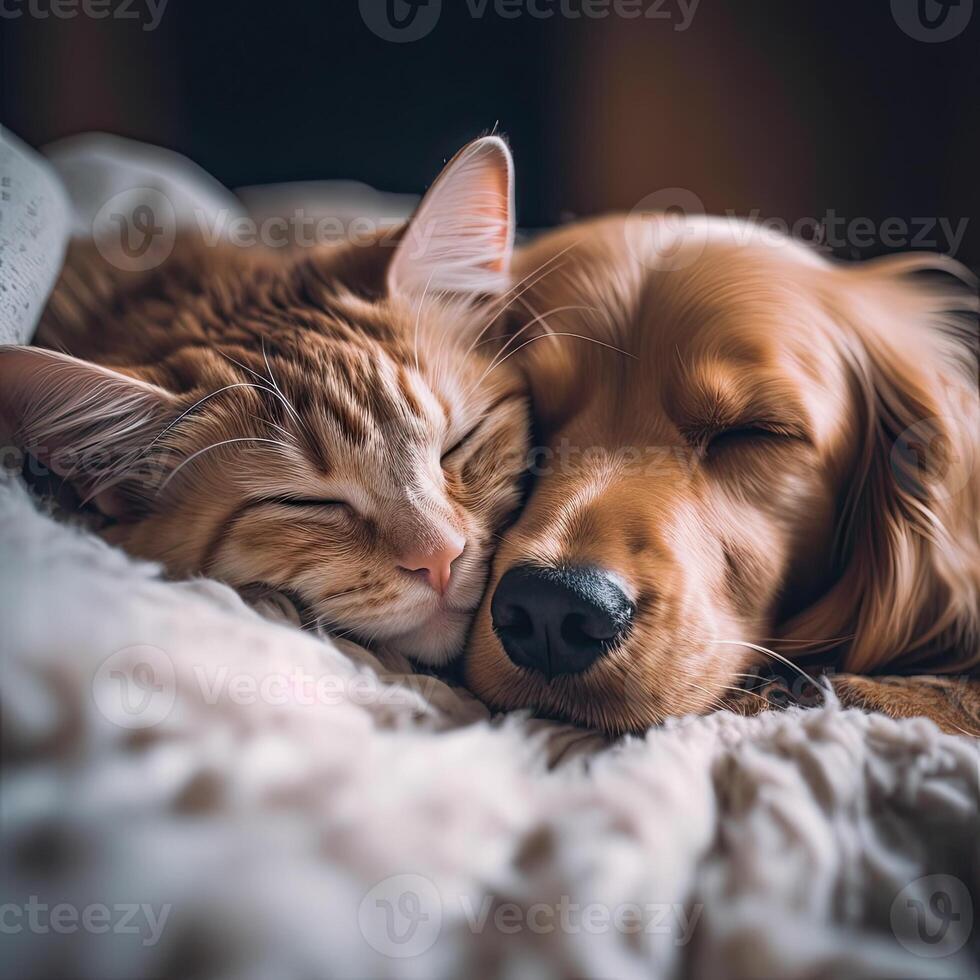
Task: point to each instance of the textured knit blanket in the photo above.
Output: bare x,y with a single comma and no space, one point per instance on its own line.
190,789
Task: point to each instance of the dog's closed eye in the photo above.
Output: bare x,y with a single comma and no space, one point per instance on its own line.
713,439
749,433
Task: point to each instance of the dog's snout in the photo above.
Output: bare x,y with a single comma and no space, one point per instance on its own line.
558,620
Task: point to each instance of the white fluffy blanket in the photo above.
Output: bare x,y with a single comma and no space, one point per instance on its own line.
190,790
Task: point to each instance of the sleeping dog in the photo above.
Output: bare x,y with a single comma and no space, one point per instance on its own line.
749,454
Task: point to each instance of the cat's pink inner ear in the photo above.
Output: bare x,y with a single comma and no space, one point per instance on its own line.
462,235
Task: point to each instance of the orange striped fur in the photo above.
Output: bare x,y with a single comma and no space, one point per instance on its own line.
296,421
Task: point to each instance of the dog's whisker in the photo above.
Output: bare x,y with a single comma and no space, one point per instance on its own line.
776,656
789,641
741,690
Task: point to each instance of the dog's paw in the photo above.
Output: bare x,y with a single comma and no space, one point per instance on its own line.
953,703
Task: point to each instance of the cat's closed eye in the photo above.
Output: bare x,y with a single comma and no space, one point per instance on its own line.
468,436
461,442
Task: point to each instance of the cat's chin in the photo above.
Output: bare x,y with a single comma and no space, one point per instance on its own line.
436,641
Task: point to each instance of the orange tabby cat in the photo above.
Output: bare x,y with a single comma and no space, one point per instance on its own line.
324,423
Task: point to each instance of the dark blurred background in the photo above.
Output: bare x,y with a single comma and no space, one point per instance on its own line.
781,109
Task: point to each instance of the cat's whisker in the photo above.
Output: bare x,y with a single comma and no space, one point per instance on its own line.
418,320
481,338
245,367
215,445
506,299
343,634
275,425
336,595
503,354
282,397
516,334
196,405
539,320
313,623
547,336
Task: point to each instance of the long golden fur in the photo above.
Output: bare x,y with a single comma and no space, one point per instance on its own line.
769,450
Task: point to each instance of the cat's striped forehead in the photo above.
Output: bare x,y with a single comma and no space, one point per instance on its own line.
306,352
349,384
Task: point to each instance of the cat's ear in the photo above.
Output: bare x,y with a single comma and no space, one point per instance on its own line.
461,236
86,423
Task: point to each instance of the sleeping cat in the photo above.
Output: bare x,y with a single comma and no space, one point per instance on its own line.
325,423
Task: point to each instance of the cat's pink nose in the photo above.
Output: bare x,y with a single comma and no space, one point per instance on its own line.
435,563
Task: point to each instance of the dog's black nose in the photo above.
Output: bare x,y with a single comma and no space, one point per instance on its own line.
558,620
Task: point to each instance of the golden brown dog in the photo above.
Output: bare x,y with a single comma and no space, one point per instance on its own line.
745,448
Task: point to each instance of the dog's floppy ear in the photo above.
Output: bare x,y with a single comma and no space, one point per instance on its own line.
909,541
462,235
86,423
